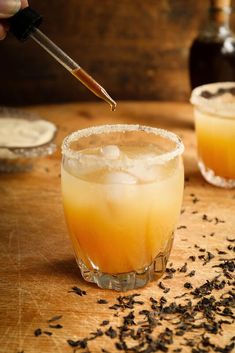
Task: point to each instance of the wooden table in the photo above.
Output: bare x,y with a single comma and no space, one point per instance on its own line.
37,265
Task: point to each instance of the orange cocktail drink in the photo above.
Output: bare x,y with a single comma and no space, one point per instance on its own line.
122,190
214,110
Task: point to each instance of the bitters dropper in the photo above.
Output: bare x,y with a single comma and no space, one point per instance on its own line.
24,24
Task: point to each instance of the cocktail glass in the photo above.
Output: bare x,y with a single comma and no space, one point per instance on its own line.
214,110
122,188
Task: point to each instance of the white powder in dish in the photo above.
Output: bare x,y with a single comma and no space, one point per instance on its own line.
19,132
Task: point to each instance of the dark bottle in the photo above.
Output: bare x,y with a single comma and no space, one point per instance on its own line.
212,54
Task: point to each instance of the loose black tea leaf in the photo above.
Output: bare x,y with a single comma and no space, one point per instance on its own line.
169,273
55,318
37,332
129,319
206,258
221,252
181,227
188,285
121,346
193,258
217,220
161,285
195,199
79,343
180,333
48,333
191,273
57,326
78,291
102,301
183,268
111,332
97,333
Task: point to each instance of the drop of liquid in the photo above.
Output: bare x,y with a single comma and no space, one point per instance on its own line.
113,106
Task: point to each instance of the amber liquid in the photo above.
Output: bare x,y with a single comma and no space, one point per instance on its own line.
94,86
216,143
212,62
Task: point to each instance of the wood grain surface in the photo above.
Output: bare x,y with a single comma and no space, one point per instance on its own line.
37,265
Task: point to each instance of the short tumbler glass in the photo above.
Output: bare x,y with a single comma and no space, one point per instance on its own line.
122,188
214,111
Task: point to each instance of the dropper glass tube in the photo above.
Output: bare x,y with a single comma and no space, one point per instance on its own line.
72,66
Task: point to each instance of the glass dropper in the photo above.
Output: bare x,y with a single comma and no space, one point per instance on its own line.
24,25
72,66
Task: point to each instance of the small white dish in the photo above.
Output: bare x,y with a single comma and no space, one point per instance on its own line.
24,136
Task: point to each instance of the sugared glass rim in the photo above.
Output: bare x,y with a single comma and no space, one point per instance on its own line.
223,109
106,129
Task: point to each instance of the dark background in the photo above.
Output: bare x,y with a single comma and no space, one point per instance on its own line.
137,49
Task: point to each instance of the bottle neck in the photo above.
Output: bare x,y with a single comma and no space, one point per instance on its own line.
220,16
218,23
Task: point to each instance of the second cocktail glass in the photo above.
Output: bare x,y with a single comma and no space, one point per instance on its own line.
214,111
122,189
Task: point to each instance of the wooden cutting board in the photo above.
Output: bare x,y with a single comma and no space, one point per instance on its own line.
38,269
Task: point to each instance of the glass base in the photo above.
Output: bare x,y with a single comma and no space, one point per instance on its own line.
129,280
213,179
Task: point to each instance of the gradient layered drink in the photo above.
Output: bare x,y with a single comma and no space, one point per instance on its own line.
122,190
214,110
